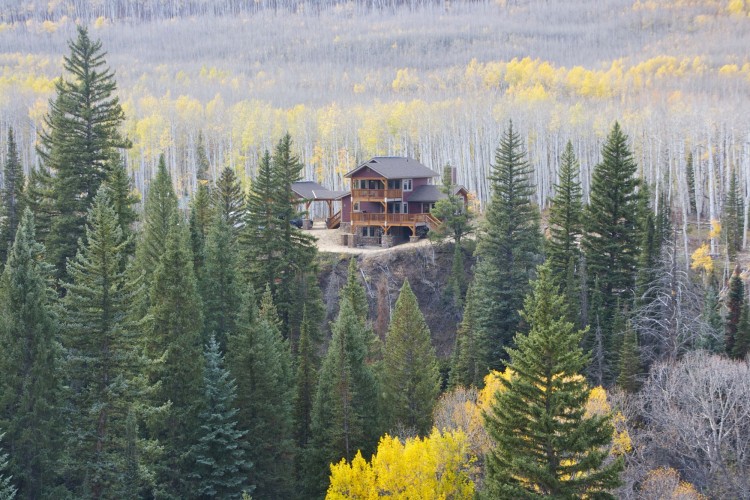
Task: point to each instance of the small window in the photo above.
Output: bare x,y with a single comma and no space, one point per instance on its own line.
407,184
404,208
394,184
355,207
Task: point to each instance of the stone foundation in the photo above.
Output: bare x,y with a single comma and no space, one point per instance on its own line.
386,241
346,227
413,239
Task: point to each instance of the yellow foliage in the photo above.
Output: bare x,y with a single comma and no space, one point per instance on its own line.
715,229
665,483
434,467
100,22
736,7
701,259
406,79
729,70
359,88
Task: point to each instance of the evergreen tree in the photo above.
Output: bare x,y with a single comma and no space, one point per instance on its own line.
452,212
7,490
631,367
220,464
468,365
690,177
612,229
30,364
509,246
545,445
201,210
202,164
259,359
712,338
229,199
355,292
565,218
175,339
278,253
306,381
220,287
344,414
735,304
410,379
105,361
160,214
80,142
734,218
12,198
123,199
456,287
742,338
38,197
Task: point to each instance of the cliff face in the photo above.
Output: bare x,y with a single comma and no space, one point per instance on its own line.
426,267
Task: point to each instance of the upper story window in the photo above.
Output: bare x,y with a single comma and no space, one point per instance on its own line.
406,183
394,184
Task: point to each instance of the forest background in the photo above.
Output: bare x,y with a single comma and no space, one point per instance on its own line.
434,80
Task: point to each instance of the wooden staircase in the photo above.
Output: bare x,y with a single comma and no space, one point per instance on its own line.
432,221
335,221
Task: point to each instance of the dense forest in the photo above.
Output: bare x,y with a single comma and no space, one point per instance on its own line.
164,329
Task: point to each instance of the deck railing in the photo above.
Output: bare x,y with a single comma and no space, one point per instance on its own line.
384,219
376,194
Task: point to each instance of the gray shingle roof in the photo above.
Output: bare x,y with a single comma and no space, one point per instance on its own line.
396,167
309,190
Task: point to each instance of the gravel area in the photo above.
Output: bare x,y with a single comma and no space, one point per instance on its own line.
329,240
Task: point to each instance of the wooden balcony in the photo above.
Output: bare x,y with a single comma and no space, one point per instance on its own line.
376,194
385,220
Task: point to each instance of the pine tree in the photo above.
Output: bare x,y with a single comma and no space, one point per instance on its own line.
38,197
355,292
690,177
306,381
712,339
456,287
7,490
123,199
259,247
742,338
545,445
735,303
220,287
468,365
160,214
259,359
105,362
12,198
30,364
631,367
410,379
612,229
175,339
228,199
220,464
734,218
565,217
509,246
201,216
80,142
452,211
344,414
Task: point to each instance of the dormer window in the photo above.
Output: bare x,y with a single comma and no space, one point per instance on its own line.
406,183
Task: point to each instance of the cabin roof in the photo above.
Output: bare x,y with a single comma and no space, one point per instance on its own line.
396,167
310,190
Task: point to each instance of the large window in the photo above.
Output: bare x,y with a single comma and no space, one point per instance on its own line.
407,184
394,184
371,231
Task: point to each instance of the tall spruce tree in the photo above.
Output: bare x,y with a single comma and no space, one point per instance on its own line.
734,218
410,379
452,211
123,200
105,364
305,383
545,445
344,414
509,247
30,363
80,142
220,286
259,359
355,293
742,338
631,365
201,215
612,225
468,365
735,305
175,333
278,253
12,198
159,216
220,465
565,218
228,199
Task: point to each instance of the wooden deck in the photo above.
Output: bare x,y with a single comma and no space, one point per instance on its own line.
376,194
